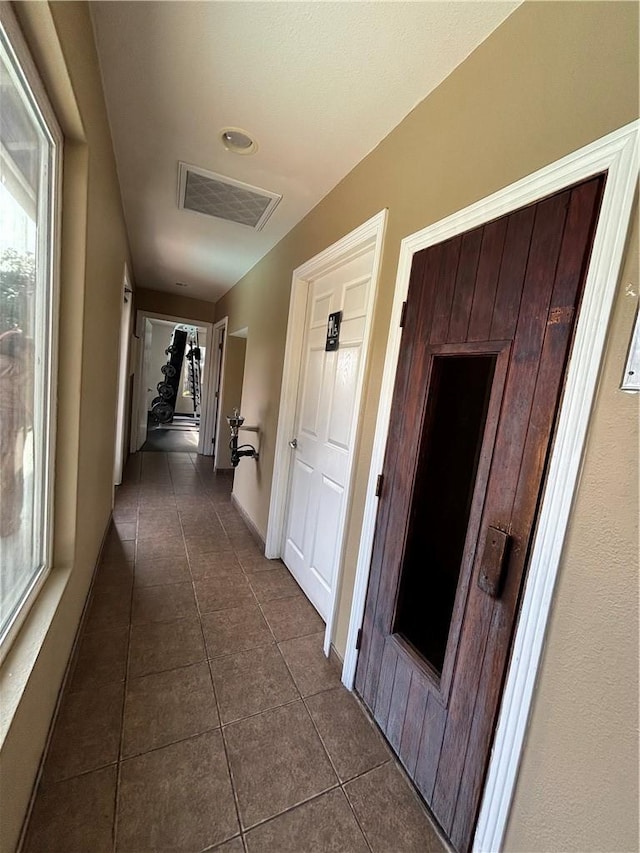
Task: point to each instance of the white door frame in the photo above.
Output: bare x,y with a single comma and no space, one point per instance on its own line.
617,153
220,332
139,376
369,235
123,377
141,385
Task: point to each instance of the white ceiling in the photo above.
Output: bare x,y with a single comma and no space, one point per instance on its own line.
319,84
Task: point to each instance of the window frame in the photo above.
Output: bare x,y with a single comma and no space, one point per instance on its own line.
34,88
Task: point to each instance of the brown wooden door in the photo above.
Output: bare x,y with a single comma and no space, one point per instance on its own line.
489,322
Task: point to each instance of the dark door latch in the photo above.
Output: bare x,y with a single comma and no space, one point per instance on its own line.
494,560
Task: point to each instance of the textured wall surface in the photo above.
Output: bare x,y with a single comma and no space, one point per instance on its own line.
551,79
232,396
578,784
94,252
174,305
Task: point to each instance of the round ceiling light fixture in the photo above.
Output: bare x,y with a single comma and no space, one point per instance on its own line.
238,141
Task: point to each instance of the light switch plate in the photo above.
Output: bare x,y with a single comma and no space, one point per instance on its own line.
631,377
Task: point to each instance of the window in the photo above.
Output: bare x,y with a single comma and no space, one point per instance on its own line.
30,149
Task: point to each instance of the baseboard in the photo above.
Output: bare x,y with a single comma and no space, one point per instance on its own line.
335,659
248,521
65,679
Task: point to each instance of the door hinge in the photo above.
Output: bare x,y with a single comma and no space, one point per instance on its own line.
379,485
403,314
359,639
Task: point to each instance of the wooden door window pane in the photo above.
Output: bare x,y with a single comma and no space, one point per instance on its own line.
449,452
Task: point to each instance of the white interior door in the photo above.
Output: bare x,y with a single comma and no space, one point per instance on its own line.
325,428
143,408
123,384
217,358
207,338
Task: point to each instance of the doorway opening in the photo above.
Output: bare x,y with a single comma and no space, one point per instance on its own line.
178,355
229,392
172,385
124,381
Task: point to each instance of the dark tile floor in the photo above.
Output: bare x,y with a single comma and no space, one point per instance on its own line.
201,713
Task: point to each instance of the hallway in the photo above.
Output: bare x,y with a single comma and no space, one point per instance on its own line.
171,438
200,712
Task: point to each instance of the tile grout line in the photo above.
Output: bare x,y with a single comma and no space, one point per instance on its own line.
243,830
236,541
213,686
262,613
299,698
128,758
293,807
341,784
209,661
126,681
170,669
234,791
258,713
355,816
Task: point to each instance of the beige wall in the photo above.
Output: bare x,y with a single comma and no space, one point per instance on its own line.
578,785
94,251
158,302
232,397
552,78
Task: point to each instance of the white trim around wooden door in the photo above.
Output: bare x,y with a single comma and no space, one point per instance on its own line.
370,234
618,155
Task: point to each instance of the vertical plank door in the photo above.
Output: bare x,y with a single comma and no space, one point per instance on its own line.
489,323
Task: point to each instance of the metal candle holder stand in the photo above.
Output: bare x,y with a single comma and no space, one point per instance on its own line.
237,452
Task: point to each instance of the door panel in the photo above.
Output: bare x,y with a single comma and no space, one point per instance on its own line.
328,399
467,531
482,307
490,316
143,408
215,350
345,381
323,555
300,491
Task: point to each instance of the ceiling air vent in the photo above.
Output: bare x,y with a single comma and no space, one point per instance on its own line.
222,197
